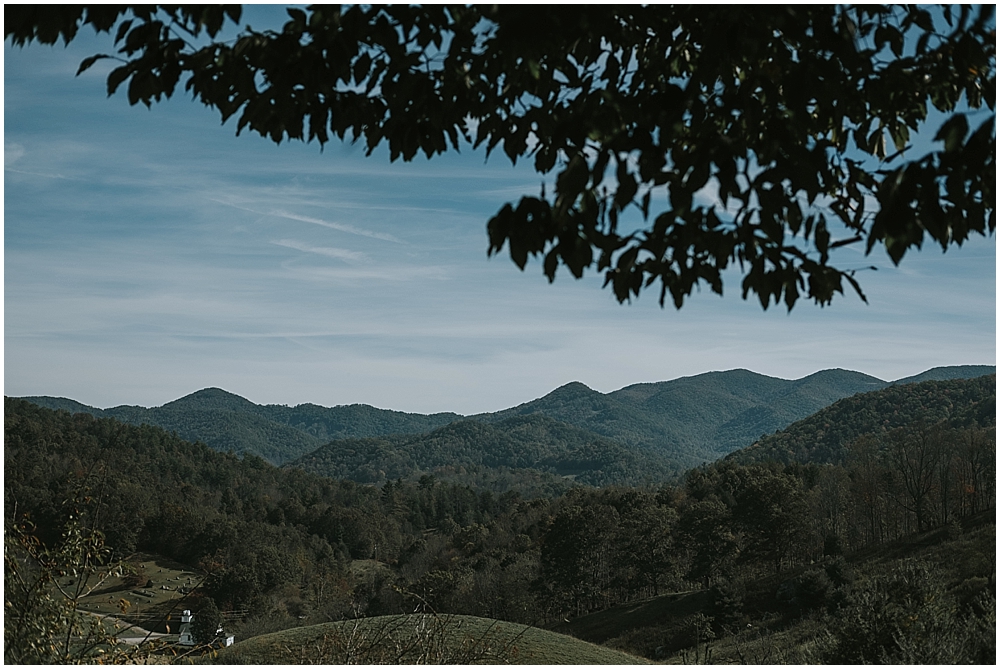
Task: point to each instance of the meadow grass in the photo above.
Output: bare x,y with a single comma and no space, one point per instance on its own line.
418,639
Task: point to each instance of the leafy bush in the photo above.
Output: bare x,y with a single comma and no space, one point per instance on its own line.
812,589
42,591
907,617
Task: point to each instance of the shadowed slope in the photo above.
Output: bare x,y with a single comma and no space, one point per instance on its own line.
825,436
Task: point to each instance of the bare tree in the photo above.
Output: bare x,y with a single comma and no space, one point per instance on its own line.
916,455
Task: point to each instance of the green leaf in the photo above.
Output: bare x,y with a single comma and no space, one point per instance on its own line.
574,178
88,62
298,17
900,135
117,76
952,132
122,29
895,41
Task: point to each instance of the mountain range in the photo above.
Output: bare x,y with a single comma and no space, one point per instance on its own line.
683,422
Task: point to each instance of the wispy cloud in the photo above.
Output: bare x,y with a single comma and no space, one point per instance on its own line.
350,229
404,274
328,251
341,227
12,152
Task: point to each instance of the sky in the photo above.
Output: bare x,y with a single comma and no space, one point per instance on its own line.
149,253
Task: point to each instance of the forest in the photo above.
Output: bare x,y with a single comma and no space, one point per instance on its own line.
282,546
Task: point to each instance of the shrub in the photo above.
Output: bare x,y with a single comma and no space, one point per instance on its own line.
907,617
42,621
812,589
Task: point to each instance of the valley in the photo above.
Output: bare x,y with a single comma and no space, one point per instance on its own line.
518,536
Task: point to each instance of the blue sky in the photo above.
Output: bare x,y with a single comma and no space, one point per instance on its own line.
151,253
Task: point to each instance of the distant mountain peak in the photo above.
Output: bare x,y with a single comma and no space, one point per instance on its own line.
573,386
573,391
212,392
213,398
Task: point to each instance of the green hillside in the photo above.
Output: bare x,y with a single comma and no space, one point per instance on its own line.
227,422
824,436
578,405
224,430
64,404
770,562
695,419
213,398
949,373
533,442
419,639
684,628
689,421
354,420
723,411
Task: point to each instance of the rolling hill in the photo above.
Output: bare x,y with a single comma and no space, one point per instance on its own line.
663,627
824,436
509,447
949,373
701,418
419,639
277,433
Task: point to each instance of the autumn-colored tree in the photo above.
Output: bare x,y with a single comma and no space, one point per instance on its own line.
43,589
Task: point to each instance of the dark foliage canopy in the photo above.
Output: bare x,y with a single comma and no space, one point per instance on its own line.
683,140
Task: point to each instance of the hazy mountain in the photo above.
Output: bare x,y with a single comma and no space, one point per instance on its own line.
226,421
948,373
824,436
64,404
214,399
697,418
689,420
355,420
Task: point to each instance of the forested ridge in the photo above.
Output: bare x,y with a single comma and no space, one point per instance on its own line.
826,436
695,419
689,421
767,544
501,452
277,433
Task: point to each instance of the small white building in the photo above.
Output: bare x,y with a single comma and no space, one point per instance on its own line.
186,636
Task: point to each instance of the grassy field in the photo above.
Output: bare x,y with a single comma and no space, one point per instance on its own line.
413,639
153,594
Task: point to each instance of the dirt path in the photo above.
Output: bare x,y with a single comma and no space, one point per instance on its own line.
132,634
